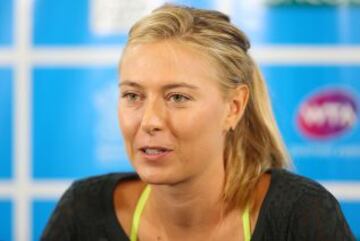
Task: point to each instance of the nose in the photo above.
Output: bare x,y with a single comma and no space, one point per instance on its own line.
153,116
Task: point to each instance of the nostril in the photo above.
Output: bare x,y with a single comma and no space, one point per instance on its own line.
152,129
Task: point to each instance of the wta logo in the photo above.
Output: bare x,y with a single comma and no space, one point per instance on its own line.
327,114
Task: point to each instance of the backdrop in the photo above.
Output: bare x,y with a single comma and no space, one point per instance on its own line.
58,93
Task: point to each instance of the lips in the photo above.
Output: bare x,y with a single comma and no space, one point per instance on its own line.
154,148
155,152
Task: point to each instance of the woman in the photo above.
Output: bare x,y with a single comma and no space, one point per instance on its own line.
199,131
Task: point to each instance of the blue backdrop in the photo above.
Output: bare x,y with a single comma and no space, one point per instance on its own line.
73,113
6,87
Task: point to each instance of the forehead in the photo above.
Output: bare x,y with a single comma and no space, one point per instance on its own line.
166,61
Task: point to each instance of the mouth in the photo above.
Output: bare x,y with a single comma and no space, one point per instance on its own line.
154,152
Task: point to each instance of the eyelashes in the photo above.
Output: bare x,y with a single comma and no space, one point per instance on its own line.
173,97
178,98
131,96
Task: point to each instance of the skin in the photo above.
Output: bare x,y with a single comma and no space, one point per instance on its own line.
170,97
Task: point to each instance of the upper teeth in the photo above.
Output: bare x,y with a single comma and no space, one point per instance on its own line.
153,151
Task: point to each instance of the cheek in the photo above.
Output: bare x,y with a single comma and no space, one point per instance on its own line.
200,138
203,124
128,124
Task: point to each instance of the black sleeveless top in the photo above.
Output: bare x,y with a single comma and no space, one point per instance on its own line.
294,209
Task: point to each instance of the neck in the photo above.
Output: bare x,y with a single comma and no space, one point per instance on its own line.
191,206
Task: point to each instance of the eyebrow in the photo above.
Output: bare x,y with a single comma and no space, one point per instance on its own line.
165,87
129,83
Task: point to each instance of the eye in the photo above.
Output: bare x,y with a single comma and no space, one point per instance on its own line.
178,98
131,97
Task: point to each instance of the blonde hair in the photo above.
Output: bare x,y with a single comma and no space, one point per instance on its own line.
255,144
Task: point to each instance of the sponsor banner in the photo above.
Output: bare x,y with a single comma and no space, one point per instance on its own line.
75,126
351,211
209,4
313,2
317,109
91,22
42,210
108,21
70,22
6,90
297,24
6,220
6,22
327,114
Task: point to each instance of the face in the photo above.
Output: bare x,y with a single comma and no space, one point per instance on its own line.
171,111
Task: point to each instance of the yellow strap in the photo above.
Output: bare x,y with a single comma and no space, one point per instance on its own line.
246,224
141,204
137,214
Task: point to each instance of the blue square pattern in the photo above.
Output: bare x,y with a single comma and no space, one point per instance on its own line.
351,211
6,22
5,123
264,24
70,22
323,143
207,4
5,220
298,24
75,127
41,212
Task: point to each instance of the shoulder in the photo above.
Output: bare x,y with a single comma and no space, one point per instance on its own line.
96,185
293,185
125,197
299,208
84,207
288,191
94,195
92,191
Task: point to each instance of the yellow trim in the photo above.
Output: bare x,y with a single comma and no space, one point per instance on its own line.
137,214
246,224
141,204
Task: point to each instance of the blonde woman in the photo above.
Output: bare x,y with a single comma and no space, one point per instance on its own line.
200,133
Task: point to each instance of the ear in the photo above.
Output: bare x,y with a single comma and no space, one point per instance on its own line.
236,106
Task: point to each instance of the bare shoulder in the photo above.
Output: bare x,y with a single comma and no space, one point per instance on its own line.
260,194
263,186
125,197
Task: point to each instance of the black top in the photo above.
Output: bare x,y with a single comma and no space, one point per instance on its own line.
294,209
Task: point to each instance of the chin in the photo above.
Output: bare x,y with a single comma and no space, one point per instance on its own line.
156,176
